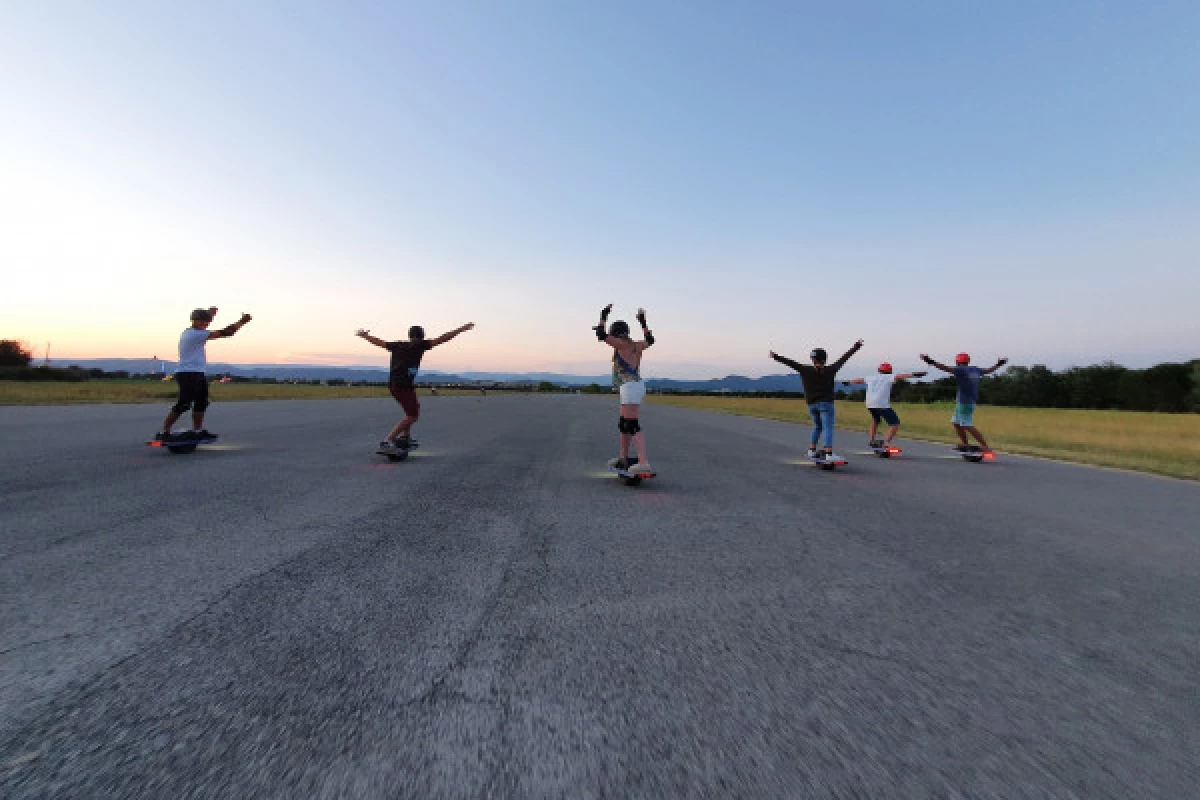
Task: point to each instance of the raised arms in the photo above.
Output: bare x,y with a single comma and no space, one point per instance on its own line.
228,330
647,334
445,337
1000,362
936,364
841,362
602,329
363,333
785,360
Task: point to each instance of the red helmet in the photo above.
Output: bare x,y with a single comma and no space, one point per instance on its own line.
962,358
885,367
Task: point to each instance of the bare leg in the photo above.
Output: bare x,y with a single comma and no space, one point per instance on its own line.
172,418
962,434
402,428
978,437
197,420
891,434
625,439
639,442
630,411
874,428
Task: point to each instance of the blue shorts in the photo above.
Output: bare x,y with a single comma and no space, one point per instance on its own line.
885,414
964,414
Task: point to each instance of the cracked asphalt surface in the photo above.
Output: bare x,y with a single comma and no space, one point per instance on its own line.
289,615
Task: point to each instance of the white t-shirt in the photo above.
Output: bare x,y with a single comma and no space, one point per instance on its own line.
191,350
879,391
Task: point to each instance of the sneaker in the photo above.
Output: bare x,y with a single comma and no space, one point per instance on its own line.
618,463
812,452
641,469
404,442
833,457
164,436
875,443
186,436
387,444
205,436
962,448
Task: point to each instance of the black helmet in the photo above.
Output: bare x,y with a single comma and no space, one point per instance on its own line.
619,328
416,332
819,354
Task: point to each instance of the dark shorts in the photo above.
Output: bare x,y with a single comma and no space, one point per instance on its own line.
885,414
193,392
406,396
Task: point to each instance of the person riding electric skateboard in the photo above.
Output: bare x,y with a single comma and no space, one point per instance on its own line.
879,401
626,374
191,377
967,396
402,375
819,393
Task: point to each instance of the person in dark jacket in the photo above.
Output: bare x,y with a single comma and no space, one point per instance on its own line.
819,387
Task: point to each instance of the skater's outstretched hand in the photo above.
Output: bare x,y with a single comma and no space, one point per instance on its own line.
859,343
448,335
999,363
245,318
375,340
771,353
925,357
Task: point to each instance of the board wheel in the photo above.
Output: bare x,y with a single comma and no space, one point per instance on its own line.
179,449
394,457
633,481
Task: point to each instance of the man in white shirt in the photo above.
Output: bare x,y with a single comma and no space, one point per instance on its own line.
190,374
879,401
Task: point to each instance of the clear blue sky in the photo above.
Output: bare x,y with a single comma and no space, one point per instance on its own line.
1018,178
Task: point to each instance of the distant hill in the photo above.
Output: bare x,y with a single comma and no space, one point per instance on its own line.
731,383
316,372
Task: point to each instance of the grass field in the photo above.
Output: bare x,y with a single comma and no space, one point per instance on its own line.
42,393
1165,444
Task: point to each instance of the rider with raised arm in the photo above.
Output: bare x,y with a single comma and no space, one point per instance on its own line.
191,377
819,392
406,362
879,401
967,378
627,362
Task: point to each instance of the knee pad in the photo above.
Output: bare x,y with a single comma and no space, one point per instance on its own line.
629,426
621,423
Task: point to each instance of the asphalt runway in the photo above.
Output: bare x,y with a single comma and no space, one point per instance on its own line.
289,615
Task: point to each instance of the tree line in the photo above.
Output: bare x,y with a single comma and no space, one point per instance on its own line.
1163,387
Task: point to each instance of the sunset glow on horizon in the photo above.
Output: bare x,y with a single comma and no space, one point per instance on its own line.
929,179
